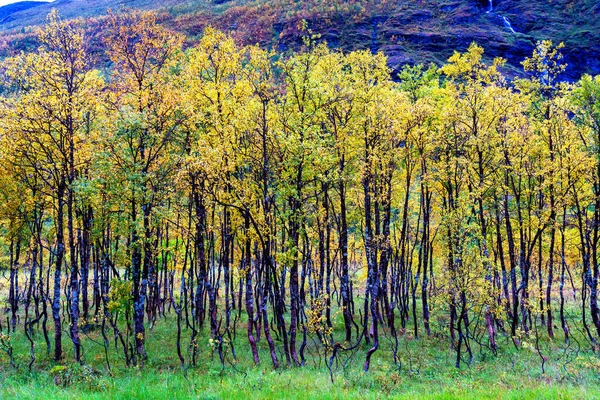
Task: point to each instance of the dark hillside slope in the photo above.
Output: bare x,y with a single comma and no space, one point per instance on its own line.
407,31
6,12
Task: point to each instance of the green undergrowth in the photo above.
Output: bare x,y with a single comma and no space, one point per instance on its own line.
425,369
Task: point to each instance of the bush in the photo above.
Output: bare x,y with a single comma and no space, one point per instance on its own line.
80,375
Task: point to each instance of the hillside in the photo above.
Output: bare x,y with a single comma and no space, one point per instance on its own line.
406,31
7,12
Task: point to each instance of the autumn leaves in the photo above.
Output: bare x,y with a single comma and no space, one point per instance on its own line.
236,185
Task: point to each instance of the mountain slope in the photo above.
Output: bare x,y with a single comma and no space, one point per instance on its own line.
408,31
76,8
6,12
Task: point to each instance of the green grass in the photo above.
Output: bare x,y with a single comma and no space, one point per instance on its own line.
304,384
426,370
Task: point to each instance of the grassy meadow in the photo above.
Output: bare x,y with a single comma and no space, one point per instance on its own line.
425,370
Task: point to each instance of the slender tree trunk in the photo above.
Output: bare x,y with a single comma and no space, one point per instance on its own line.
60,252
344,278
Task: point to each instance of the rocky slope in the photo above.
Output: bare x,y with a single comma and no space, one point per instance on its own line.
407,31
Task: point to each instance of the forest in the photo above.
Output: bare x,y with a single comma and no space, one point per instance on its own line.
296,210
